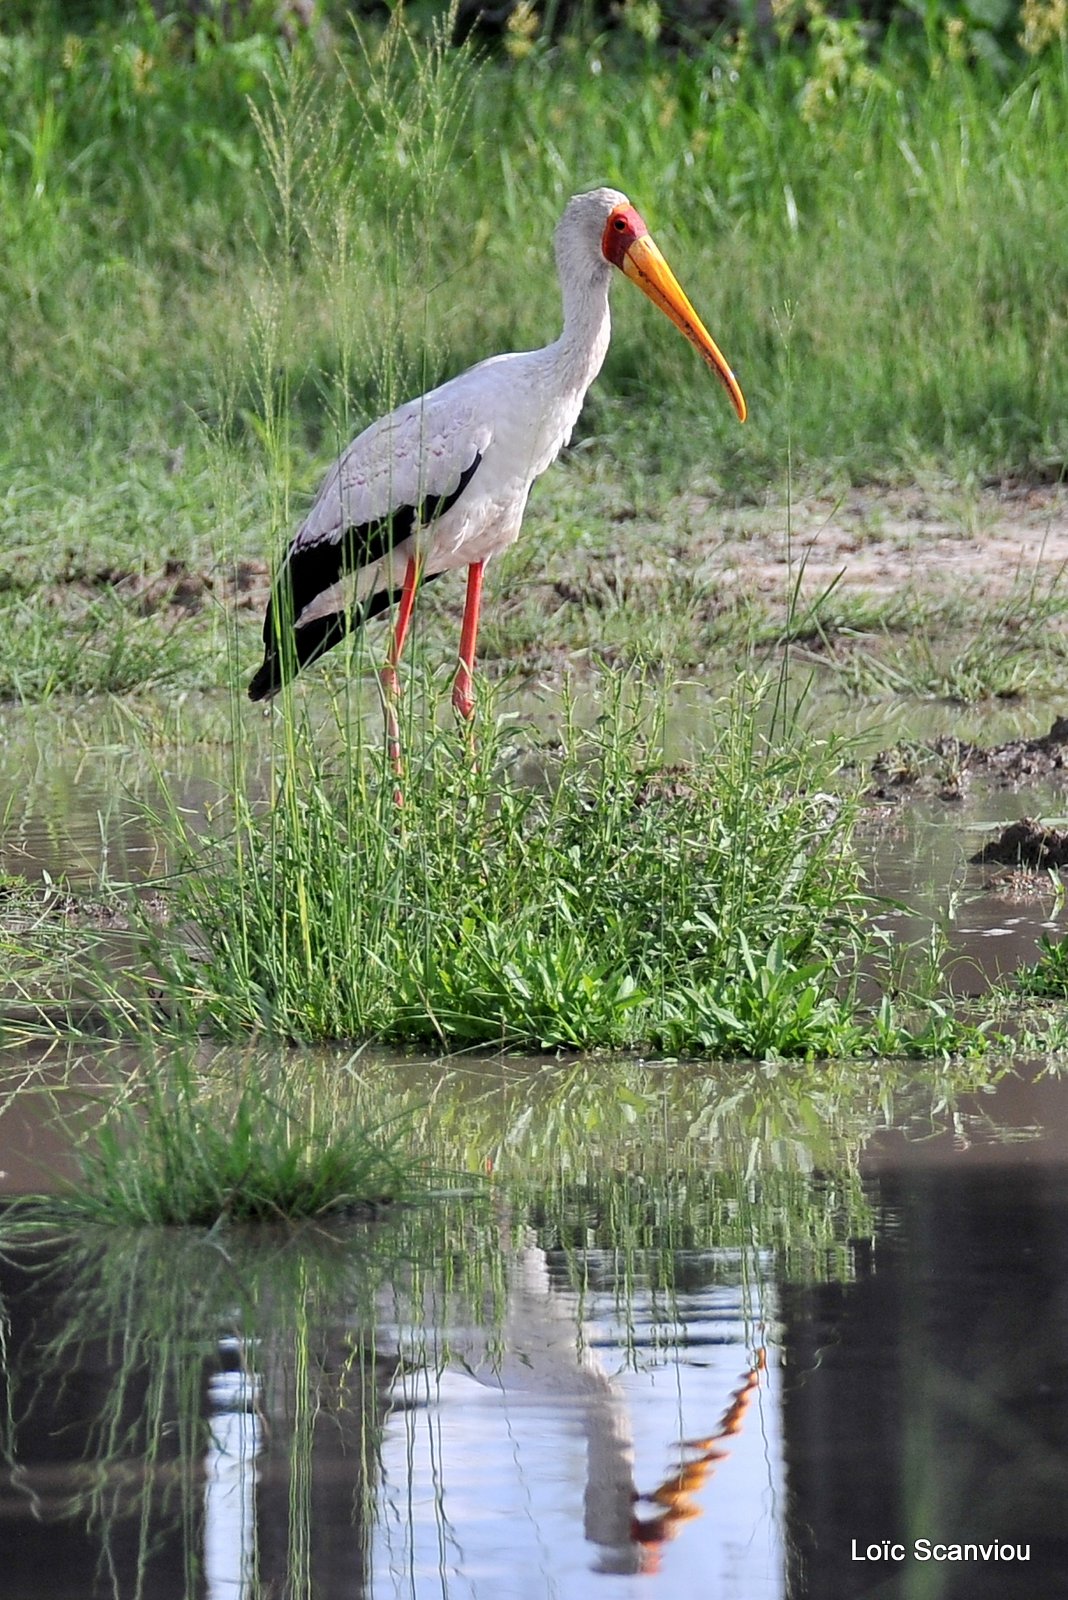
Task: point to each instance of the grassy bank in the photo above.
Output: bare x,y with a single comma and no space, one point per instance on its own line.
222,260
219,264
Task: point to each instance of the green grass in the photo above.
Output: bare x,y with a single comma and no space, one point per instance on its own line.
670,600
574,892
1047,979
219,265
181,1146
222,260
102,647
600,886
608,904
989,664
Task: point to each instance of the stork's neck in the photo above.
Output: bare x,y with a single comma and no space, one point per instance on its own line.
579,353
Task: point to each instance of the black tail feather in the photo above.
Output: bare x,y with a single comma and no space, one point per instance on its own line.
308,644
314,566
310,641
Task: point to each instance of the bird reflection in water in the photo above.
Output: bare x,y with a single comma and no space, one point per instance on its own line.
545,1355
673,1500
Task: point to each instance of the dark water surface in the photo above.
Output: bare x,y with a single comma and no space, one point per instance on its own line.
856,1315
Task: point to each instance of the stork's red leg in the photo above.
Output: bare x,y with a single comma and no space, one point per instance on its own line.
400,626
463,697
390,684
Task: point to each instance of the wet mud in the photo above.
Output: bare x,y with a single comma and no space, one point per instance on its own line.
1026,843
943,766
26,906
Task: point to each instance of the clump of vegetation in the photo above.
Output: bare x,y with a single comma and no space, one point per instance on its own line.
580,893
182,1146
1047,978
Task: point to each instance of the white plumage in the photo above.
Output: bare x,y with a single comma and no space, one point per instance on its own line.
443,481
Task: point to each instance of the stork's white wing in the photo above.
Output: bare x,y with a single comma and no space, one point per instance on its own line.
417,454
399,475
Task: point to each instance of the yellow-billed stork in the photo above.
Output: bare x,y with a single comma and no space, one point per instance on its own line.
442,482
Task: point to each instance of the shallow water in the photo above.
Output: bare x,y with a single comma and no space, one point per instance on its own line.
846,1287
858,1321
917,859
78,782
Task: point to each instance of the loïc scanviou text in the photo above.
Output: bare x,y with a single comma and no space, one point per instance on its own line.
932,1550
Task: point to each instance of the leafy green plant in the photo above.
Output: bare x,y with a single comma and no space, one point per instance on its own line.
769,1005
1048,977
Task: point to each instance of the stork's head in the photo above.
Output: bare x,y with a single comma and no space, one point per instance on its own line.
603,226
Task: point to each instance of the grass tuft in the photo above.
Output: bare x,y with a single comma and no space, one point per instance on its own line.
185,1149
581,893
1047,978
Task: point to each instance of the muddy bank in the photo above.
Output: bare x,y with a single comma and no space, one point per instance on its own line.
943,766
1026,843
882,539
179,586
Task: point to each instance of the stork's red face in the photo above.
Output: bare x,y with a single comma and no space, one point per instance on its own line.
627,245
